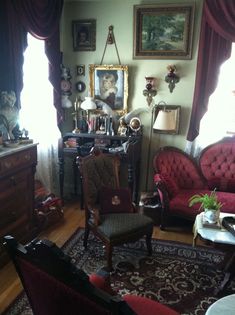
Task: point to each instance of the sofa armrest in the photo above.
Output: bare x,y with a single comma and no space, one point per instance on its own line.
164,199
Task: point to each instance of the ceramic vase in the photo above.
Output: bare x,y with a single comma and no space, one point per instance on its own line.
211,215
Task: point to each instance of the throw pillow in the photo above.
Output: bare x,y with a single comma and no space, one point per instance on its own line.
114,200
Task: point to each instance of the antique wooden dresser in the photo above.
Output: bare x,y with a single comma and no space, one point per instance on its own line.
17,169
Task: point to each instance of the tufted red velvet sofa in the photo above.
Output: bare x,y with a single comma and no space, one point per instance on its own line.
178,176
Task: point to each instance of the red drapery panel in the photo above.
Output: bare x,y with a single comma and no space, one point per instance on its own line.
41,18
215,43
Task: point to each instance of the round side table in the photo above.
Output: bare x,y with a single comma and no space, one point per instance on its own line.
226,305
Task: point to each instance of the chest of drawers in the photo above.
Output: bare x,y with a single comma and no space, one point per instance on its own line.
17,169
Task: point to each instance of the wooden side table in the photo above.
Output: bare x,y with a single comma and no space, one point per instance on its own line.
221,238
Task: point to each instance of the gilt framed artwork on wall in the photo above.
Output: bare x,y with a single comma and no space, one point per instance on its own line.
163,31
84,35
109,84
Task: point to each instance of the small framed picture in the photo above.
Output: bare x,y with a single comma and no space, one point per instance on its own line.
81,70
84,35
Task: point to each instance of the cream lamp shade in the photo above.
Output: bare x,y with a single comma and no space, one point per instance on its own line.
88,104
165,120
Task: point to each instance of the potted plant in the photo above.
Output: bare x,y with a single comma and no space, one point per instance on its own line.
209,203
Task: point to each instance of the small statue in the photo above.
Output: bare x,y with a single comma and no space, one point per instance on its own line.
122,129
9,110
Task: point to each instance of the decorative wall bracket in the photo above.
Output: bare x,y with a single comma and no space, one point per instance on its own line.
150,91
171,78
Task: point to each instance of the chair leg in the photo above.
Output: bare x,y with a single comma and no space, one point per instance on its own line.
109,253
86,235
149,243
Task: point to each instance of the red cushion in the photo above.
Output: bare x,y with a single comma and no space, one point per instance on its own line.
115,200
102,283
179,203
222,184
144,306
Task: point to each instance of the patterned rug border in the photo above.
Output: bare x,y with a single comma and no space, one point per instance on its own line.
188,251
203,255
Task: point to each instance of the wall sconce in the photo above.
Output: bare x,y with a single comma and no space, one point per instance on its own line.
150,91
171,78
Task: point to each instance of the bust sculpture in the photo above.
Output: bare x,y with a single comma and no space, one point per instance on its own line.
9,112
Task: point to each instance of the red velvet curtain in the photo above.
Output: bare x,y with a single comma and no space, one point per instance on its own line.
215,44
41,18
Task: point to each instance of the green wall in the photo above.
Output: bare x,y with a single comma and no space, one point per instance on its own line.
119,13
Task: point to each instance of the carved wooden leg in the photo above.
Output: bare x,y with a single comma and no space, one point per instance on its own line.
109,253
86,235
149,242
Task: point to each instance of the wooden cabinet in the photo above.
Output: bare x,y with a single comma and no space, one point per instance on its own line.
129,147
17,169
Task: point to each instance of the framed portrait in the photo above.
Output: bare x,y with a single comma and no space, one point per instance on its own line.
167,119
163,31
81,70
84,35
109,84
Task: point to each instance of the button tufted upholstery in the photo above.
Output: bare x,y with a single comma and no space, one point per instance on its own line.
217,163
178,177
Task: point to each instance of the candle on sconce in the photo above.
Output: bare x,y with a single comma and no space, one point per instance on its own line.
150,91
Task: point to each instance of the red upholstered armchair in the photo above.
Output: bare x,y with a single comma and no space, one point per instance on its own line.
54,286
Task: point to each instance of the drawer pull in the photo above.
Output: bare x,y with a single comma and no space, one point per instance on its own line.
7,164
27,157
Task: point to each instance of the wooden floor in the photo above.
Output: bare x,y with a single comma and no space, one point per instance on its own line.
10,285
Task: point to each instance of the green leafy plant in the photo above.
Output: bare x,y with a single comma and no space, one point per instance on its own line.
208,202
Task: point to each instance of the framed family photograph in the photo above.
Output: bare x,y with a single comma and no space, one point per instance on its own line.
163,31
84,35
109,84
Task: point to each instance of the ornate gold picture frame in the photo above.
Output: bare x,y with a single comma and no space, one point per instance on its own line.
109,84
163,31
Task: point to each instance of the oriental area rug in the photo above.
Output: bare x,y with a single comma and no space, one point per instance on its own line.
178,275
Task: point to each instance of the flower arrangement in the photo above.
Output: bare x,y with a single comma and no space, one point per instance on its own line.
208,202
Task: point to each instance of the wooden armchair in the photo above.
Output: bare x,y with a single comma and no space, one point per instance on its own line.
54,285
110,214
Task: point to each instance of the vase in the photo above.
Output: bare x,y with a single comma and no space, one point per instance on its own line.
211,215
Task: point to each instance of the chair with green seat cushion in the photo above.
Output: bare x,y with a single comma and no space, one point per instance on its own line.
109,212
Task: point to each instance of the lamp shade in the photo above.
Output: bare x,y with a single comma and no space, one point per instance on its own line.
165,120
88,104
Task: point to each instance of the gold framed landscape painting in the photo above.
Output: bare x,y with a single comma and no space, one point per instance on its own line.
163,31
109,84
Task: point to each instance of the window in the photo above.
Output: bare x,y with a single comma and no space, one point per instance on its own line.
38,114
219,121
